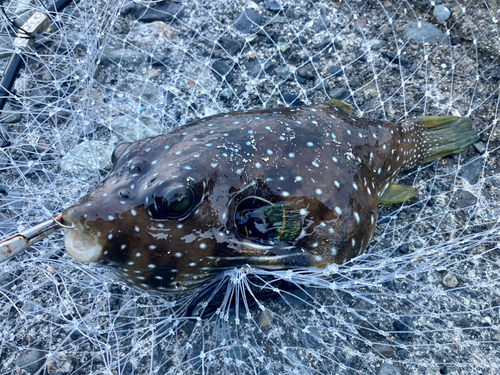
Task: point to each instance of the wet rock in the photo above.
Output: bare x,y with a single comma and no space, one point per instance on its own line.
403,327
233,47
423,32
339,93
292,99
162,12
222,69
404,248
495,74
466,199
247,20
377,45
226,94
253,68
441,13
283,73
450,280
30,360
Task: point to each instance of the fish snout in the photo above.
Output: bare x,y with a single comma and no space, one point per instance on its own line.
81,246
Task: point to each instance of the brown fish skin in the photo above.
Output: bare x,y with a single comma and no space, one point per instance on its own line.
327,166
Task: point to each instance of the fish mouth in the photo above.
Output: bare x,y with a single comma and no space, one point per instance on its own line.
81,247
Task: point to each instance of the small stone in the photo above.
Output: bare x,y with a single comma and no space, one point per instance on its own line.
403,327
266,318
10,114
30,360
273,6
162,12
423,32
384,350
253,68
388,369
335,70
321,24
226,94
233,47
221,69
450,280
495,74
131,129
480,147
441,13
472,170
60,363
125,57
283,73
339,93
496,337
284,47
290,14
270,66
279,19
4,189
396,59
89,156
292,99
404,248
306,72
377,44
247,20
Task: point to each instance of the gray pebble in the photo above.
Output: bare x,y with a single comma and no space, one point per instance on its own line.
426,33
339,93
88,155
283,46
30,360
130,129
226,94
233,47
163,12
125,57
480,147
441,13
377,45
10,114
335,70
222,69
306,72
472,170
273,6
388,369
450,280
247,20
321,24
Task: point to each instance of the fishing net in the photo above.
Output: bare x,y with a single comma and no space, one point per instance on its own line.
424,298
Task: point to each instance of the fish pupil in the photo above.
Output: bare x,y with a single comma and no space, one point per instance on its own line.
175,203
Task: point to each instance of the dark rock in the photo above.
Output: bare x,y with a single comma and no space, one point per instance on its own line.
360,56
302,39
292,99
339,93
306,72
273,6
327,42
395,59
270,66
253,68
4,189
404,248
472,170
290,14
441,13
443,369
466,199
30,360
335,70
403,327
384,350
426,33
273,37
495,74
247,20
378,45
233,47
413,67
162,12
221,69
321,24
283,73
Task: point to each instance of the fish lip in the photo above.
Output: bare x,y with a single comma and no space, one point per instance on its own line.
80,246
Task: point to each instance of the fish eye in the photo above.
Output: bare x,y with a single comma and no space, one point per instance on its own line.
267,223
118,151
175,203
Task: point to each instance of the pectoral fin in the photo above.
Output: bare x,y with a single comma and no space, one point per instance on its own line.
398,193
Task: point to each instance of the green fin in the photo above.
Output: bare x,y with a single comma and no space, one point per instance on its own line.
398,193
344,107
445,135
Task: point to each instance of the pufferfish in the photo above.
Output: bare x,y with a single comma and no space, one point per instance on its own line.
278,189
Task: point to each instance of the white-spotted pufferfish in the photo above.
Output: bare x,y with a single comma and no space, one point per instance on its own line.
278,189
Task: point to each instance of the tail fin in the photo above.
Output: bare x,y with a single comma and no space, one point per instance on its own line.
445,135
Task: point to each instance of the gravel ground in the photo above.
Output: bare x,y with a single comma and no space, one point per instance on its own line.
423,299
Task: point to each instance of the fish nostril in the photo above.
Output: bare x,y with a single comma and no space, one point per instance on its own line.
125,194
